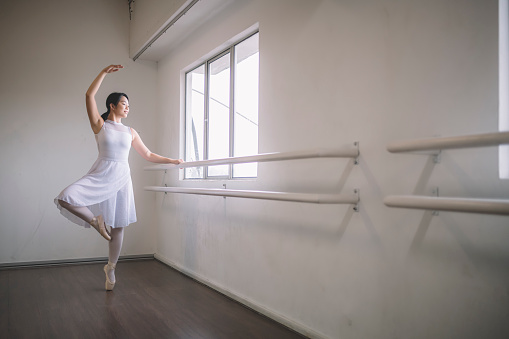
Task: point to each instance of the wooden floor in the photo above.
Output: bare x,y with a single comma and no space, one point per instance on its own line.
151,300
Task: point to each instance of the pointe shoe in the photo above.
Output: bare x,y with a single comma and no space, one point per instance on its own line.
109,285
100,226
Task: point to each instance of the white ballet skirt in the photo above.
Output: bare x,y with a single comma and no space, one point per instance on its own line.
107,187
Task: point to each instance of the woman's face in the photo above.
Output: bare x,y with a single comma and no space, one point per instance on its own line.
122,108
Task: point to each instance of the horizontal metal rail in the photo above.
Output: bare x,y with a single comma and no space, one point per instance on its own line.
165,28
484,206
266,195
348,151
436,144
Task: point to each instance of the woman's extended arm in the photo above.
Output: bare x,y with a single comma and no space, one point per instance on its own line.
140,147
96,122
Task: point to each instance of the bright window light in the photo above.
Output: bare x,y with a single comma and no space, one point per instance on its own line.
246,105
503,86
219,114
195,119
222,111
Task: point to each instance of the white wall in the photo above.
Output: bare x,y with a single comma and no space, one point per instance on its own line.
334,72
51,52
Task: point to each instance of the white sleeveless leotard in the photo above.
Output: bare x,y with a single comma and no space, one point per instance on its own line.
107,188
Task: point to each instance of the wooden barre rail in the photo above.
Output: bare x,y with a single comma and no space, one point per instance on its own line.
436,144
466,205
348,151
266,195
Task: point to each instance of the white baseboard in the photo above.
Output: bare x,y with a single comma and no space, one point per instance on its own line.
246,302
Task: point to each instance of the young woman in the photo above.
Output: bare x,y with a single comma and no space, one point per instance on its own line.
104,196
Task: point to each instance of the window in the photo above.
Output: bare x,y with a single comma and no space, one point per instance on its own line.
503,85
221,111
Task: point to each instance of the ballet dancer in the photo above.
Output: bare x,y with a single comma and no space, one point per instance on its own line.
104,196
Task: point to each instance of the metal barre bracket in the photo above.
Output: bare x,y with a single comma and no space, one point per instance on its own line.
356,160
437,157
356,205
435,193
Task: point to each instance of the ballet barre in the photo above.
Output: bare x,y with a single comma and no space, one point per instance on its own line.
436,144
347,151
265,195
466,205
452,204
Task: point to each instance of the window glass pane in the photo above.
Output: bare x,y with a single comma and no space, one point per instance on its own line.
219,114
503,84
195,118
246,105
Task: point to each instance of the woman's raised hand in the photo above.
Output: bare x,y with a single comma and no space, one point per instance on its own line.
112,68
96,122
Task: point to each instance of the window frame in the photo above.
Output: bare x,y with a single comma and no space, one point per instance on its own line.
231,147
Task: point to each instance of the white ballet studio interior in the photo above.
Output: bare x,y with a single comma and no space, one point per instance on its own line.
331,72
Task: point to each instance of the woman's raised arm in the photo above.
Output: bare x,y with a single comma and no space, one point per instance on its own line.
96,122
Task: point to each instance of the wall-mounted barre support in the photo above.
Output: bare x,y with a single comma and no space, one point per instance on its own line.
347,151
484,206
436,144
266,195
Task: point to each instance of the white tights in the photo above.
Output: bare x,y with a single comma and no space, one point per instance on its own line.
117,234
117,237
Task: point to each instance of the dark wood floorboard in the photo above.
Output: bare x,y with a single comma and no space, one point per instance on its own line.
150,300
